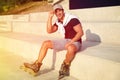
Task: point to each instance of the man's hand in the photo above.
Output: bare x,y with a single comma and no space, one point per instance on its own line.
51,13
51,28
69,43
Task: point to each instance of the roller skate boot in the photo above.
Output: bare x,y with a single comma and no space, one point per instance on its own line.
64,70
32,68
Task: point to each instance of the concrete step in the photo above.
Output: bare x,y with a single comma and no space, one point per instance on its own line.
92,32
5,26
22,43
21,18
30,27
38,17
9,69
36,28
95,61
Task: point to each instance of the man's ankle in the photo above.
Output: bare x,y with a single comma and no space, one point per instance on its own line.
38,62
67,63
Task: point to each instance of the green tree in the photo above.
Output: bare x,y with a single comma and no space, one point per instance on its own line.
6,5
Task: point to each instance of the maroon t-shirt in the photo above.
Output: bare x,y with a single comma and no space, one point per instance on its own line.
69,31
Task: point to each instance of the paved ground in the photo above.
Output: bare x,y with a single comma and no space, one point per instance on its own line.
9,69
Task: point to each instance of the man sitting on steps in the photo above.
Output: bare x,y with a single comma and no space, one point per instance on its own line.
69,26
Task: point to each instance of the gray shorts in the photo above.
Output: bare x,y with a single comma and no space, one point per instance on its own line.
60,44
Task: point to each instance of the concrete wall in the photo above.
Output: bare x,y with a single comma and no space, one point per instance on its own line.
99,24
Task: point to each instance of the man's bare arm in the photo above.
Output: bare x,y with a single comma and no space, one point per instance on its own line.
79,31
50,27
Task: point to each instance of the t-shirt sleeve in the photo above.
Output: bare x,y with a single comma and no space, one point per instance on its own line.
74,22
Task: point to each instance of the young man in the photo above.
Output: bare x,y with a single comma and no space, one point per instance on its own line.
70,27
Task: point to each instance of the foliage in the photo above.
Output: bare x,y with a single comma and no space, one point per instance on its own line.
6,5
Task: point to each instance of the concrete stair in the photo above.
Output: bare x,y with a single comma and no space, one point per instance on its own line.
9,69
95,61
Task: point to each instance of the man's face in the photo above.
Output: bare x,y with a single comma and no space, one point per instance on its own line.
59,13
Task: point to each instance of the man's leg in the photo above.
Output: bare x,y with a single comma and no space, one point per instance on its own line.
71,51
42,53
65,67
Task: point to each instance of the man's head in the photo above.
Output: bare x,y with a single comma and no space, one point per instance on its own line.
59,11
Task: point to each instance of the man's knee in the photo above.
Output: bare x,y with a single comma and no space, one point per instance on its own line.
72,48
47,43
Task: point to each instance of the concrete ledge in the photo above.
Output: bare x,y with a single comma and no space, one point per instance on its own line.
95,61
38,17
102,31
95,31
30,27
5,26
24,18
6,18
35,28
